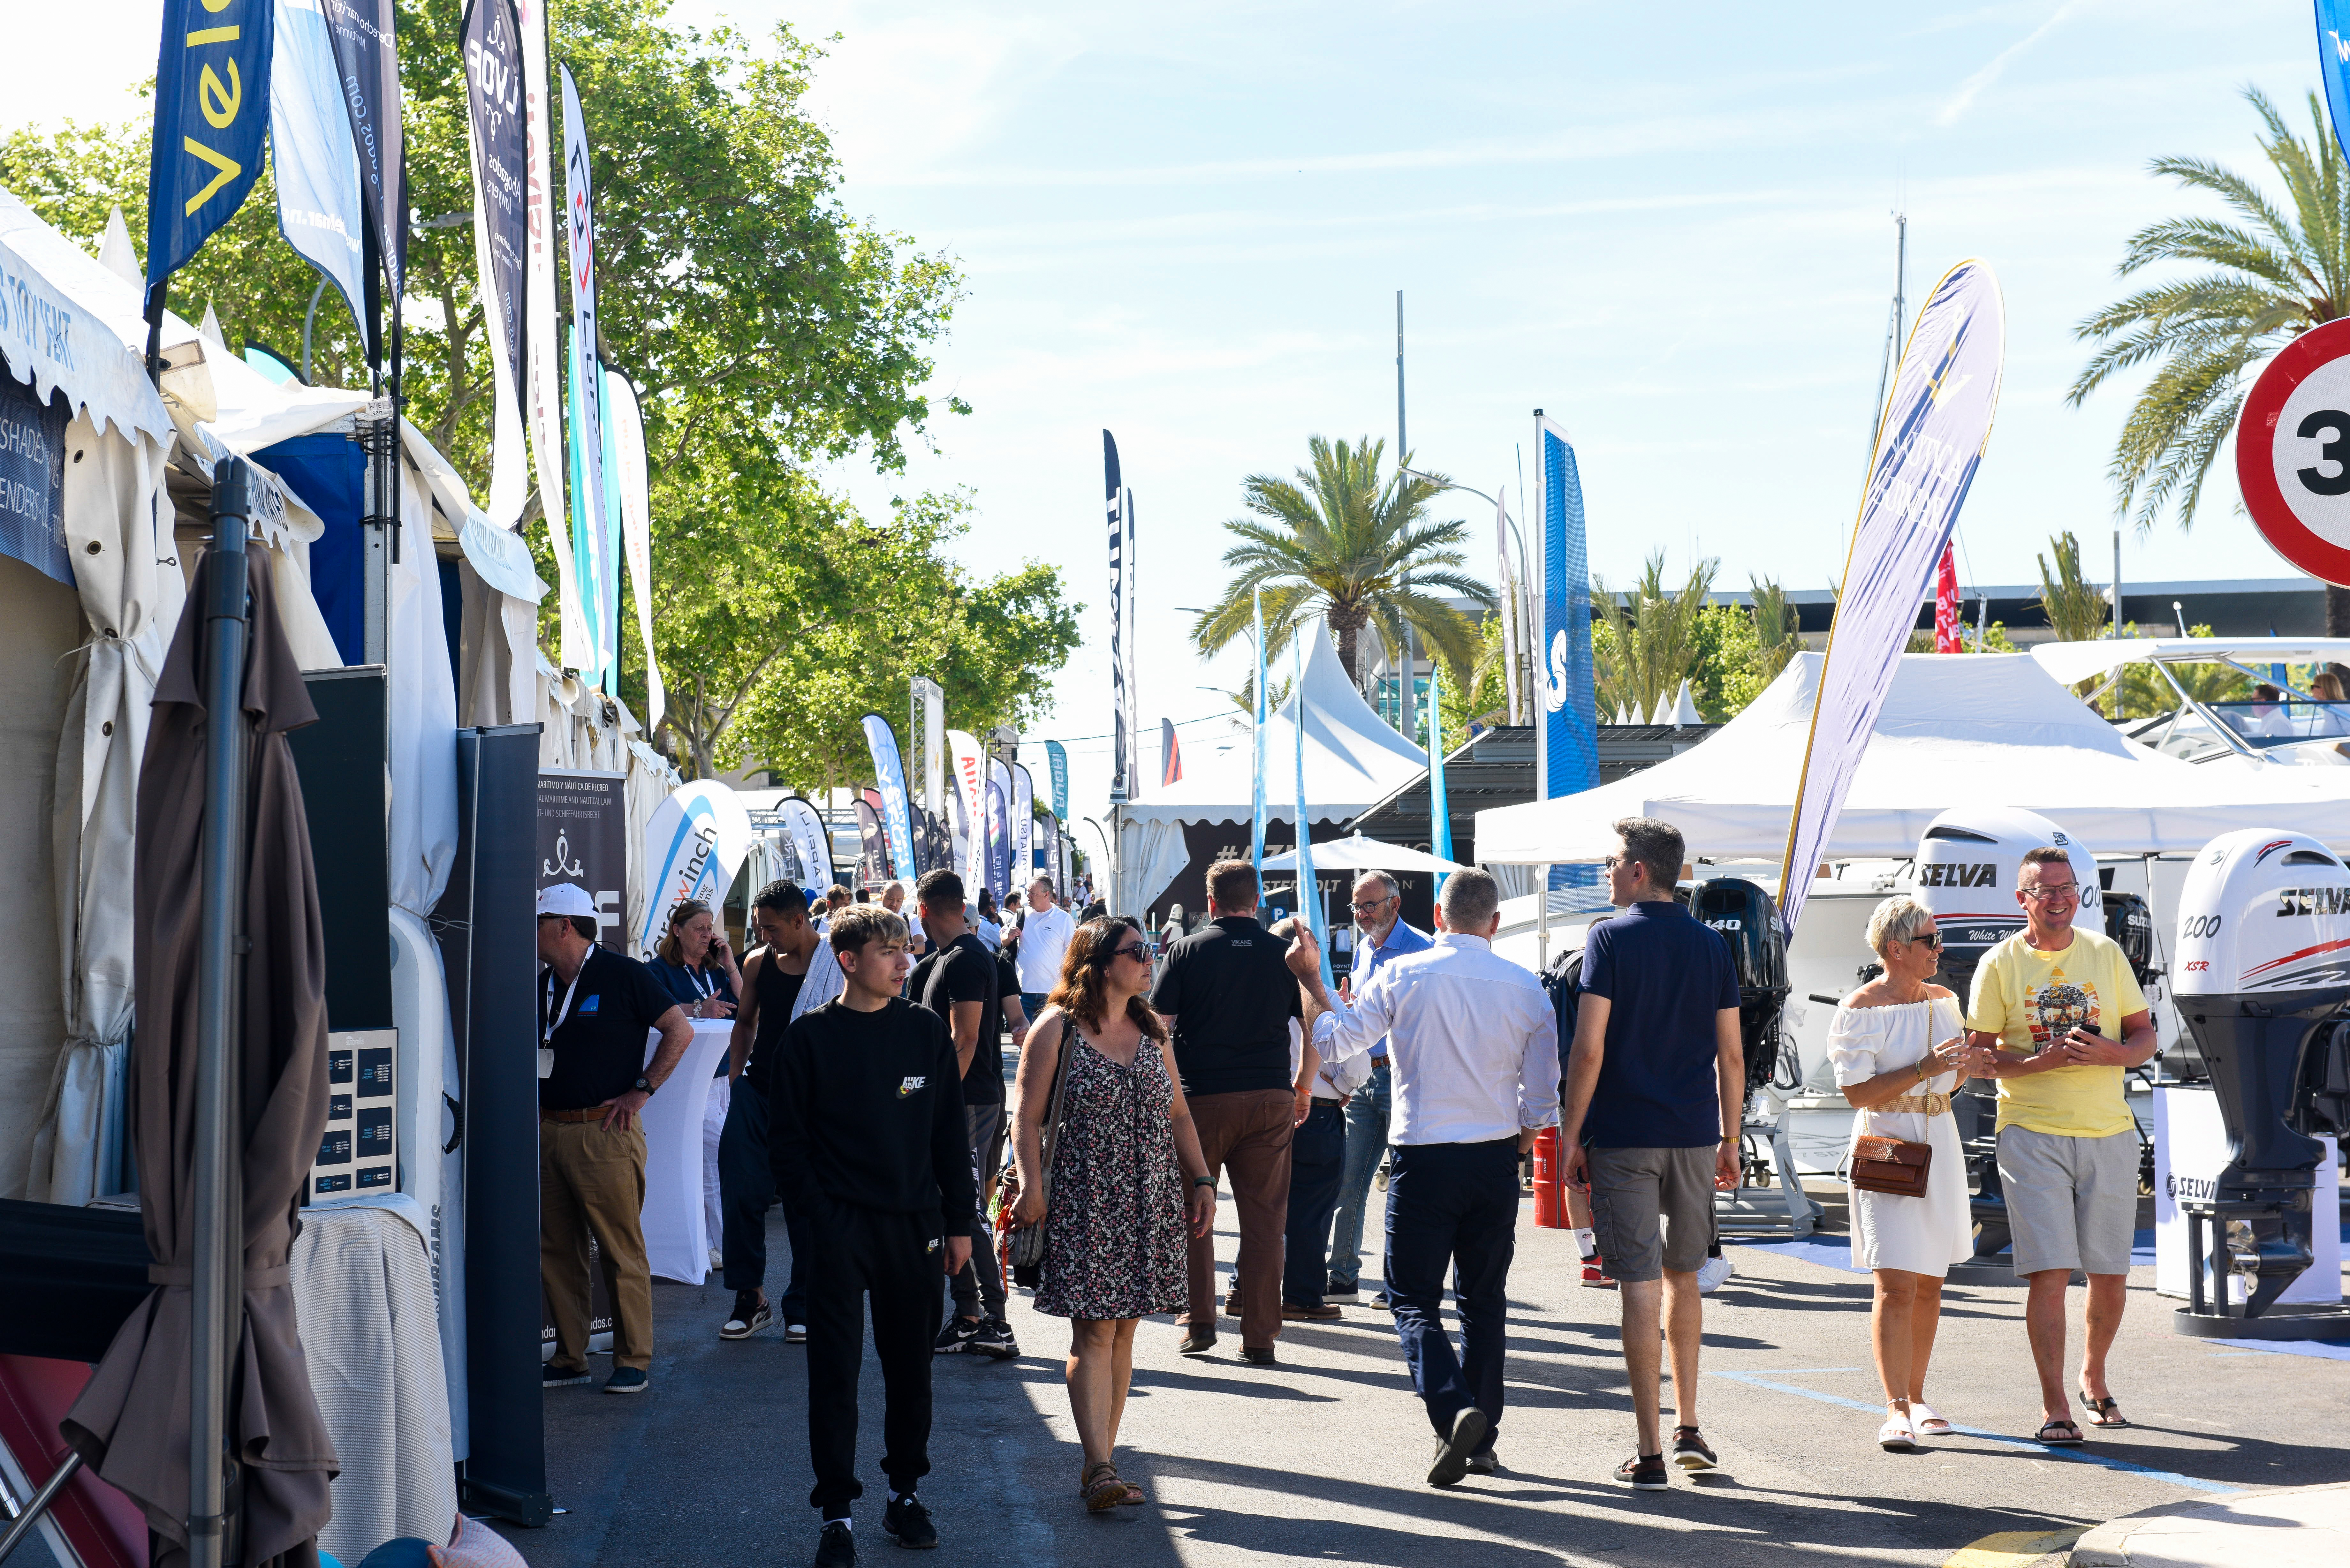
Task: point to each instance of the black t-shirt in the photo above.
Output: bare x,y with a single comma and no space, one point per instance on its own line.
966,971
599,1047
864,1109
1232,996
777,990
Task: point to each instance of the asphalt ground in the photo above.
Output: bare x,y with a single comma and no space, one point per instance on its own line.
1323,1458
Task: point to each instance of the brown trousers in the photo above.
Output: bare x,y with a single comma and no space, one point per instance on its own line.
590,1179
1245,1136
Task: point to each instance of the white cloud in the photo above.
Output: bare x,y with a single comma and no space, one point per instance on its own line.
1969,89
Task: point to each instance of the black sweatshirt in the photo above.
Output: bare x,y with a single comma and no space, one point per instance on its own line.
866,1109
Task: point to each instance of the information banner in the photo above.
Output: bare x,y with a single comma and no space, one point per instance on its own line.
583,839
33,479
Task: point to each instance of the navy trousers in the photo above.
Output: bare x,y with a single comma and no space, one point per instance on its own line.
1317,1157
1453,1204
746,1190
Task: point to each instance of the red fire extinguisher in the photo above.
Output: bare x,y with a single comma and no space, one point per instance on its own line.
1550,1190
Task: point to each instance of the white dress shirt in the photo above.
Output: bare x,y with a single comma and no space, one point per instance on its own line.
1044,942
1473,1043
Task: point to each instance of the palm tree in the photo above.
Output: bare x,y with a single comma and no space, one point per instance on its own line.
2274,274
2074,605
1778,637
1338,541
1651,642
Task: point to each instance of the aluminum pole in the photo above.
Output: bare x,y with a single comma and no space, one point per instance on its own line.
216,1198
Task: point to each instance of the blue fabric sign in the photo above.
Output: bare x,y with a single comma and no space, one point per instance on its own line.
33,479
212,110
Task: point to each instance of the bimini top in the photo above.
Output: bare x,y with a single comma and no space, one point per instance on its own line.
2071,661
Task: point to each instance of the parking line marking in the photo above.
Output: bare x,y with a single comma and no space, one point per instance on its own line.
2193,1483
2012,1548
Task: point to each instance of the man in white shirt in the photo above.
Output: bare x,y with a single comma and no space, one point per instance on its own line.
1044,936
1473,1049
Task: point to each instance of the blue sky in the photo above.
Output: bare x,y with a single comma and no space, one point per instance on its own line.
1669,226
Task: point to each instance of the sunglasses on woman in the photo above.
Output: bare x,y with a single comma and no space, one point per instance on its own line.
1932,939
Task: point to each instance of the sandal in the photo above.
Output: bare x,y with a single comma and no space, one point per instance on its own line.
1103,1491
2104,1412
2060,1426
1895,1436
1926,1423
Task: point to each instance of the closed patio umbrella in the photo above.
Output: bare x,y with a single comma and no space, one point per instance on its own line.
132,1422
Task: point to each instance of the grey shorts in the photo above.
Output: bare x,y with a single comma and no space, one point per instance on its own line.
1632,1190
986,1127
2072,1202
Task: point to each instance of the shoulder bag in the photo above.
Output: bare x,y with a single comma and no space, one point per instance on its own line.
1890,1165
1028,1244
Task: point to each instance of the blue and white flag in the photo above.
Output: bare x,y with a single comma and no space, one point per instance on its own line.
590,563
1056,757
320,210
693,843
1439,809
2334,63
1935,428
999,828
1567,724
1257,748
889,779
212,108
1309,892
1024,832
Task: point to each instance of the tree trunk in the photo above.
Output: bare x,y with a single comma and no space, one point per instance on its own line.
2337,612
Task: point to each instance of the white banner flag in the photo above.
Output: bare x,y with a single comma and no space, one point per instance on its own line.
542,344
971,788
628,427
580,230
1935,429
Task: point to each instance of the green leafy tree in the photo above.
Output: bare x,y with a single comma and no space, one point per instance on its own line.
1778,635
2270,272
2075,607
1653,635
1339,541
2142,692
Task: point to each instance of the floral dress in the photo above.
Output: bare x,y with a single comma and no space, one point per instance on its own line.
1115,1240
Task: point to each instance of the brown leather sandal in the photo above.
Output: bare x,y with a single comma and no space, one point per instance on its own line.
1103,1489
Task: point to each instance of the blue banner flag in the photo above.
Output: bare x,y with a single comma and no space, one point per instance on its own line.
1439,809
1566,725
319,208
1309,892
1056,757
2334,63
1256,747
999,829
1935,428
212,110
889,779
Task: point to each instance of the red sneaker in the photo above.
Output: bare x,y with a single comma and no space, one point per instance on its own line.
1592,1278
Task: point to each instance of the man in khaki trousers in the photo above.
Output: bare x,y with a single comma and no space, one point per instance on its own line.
595,1007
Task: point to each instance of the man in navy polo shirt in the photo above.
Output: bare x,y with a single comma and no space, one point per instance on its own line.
1655,1091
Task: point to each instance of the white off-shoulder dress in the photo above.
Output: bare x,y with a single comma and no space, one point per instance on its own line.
1926,1234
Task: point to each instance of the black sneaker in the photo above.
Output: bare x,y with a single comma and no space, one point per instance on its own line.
1643,1472
1345,1293
908,1523
626,1380
1689,1451
1452,1453
549,1377
837,1547
1488,1463
795,1333
1258,1355
957,1336
751,1314
994,1338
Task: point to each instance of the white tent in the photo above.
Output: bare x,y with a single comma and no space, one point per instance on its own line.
1989,729
1353,758
1357,853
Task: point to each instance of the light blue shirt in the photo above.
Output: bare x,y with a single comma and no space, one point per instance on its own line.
1400,939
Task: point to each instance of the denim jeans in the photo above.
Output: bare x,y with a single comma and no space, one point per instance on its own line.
1453,1207
1317,1157
1367,1140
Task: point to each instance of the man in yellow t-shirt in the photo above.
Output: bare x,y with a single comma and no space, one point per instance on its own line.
2057,1018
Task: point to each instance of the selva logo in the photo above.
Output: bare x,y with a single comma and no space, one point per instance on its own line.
2332,900
1955,874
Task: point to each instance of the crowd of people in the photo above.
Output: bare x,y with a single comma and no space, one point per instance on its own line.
867,1095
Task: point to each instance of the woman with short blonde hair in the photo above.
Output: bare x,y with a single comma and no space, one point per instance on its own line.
1898,1047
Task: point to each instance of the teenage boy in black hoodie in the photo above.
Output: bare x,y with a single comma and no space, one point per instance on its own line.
868,1140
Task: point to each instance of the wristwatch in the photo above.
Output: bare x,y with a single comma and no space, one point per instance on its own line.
644,1086
1207,1181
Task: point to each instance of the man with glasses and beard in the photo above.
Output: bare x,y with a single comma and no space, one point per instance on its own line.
1382,937
2058,1020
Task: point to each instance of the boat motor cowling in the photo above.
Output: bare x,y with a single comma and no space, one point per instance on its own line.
2263,976
1748,919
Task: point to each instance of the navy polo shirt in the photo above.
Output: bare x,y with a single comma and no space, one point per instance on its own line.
1665,975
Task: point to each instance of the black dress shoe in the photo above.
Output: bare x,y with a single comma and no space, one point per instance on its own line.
1258,1356
1196,1343
1452,1453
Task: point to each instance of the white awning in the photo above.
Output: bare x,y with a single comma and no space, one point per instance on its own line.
2071,661
58,330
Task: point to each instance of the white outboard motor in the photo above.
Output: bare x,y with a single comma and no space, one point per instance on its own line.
1965,873
2264,977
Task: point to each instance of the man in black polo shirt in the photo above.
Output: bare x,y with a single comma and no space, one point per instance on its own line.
961,981
594,1007
1228,994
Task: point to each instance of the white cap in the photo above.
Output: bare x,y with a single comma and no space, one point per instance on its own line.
566,899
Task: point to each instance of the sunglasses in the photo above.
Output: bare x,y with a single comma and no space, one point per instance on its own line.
1131,950
1932,941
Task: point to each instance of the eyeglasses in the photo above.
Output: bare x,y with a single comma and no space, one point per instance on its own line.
1621,863
1131,950
2057,892
1375,906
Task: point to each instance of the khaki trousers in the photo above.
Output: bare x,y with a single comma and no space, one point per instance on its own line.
1246,1136
590,1179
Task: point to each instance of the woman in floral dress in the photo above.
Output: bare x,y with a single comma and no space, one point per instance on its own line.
1127,1177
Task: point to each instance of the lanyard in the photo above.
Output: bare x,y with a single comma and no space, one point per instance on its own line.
546,1031
703,990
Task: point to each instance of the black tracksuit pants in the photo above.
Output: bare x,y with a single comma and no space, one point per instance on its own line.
898,1260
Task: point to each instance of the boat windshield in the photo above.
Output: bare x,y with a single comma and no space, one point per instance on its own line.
2283,721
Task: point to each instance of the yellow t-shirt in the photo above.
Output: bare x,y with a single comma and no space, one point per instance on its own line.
2028,998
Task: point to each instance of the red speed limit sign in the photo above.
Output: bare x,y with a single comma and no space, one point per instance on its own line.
2292,453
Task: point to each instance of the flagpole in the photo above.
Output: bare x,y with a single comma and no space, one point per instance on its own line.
1256,750
1309,892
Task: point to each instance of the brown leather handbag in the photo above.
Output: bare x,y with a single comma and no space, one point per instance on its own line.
1890,1165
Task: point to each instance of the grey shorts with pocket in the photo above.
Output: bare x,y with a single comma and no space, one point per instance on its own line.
1635,1189
2072,1202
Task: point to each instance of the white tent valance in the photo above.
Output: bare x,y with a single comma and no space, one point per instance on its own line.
1986,729
55,301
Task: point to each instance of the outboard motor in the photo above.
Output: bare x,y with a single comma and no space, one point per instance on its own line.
1966,870
2264,961
1748,919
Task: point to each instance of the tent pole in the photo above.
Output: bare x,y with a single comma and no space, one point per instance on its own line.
1542,917
217,1248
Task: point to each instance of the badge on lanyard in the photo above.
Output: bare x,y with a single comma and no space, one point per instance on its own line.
547,1031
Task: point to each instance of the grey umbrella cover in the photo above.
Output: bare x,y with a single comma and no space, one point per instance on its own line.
132,1422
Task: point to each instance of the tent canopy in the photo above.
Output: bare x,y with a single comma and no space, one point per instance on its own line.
2071,662
1353,756
56,333
1989,729
1357,853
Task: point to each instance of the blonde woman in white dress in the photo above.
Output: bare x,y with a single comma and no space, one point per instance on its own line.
1898,1047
